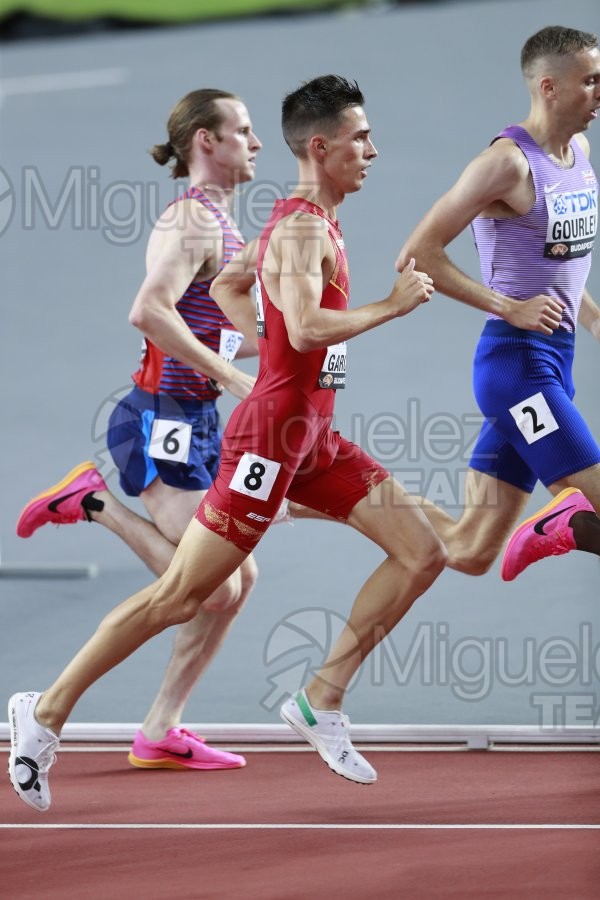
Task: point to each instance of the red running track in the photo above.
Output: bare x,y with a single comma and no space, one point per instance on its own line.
461,824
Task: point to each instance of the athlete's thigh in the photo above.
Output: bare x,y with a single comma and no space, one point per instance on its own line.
491,509
203,561
340,474
550,435
525,389
170,508
392,519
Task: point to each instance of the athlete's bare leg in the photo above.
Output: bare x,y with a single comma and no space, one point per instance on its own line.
297,511
196,644
197,641
475,539
493,507
202,562
585,525
154,540
415,557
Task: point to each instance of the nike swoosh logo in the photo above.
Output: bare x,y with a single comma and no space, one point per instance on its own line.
548,188
187,755
53,507
539,526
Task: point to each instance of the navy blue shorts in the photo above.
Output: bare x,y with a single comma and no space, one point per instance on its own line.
155,436
524,387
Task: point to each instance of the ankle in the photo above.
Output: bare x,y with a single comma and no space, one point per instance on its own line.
586,531
324,698
45,717
92,505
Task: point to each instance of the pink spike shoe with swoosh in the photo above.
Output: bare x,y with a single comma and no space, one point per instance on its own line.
181,749
547,533
61,504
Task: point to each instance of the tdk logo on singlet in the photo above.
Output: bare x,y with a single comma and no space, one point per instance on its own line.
572,222
578,202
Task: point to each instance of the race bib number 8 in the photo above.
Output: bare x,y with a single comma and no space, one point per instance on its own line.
534,418
255,476
170,440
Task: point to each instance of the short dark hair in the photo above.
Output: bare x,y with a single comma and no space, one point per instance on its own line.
198,109
316,105
554,41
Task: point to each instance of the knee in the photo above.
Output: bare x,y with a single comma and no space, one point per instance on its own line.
249,577
230,597
437,557
429,557
471,554
174,602
476,562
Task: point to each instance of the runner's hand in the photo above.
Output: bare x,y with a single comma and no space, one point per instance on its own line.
540,313
239,383
411,289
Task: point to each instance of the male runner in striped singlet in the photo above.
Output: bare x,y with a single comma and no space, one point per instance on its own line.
165,435
279,443
532,201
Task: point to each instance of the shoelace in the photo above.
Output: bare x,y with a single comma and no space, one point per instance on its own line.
190,734
47,757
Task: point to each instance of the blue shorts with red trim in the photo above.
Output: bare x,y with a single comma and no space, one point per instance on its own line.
157,436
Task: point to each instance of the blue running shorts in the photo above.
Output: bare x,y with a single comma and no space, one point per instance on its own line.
156,436
523,385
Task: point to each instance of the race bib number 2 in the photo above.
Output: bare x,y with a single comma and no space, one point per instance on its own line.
255,476
534,418
170,440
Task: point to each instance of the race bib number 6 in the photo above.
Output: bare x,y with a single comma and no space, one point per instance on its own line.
255,476
170,440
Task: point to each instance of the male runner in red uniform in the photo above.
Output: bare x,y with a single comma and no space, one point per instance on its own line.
278,442
165,435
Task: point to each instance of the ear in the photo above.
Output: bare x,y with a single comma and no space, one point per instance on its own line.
548,87
204,140
317,146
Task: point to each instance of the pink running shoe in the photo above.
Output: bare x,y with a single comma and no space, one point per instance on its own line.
180,749
61,503
547,533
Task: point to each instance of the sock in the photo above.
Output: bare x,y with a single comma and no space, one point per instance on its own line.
586,531
91,504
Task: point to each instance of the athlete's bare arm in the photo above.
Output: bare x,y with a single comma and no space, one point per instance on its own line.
233,291
299,262
498,183
185,246
589,314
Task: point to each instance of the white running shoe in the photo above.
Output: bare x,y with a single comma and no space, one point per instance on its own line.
32,751
329,733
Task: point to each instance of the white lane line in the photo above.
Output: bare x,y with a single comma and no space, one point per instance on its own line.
63,81
262,826
367,748
277,748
